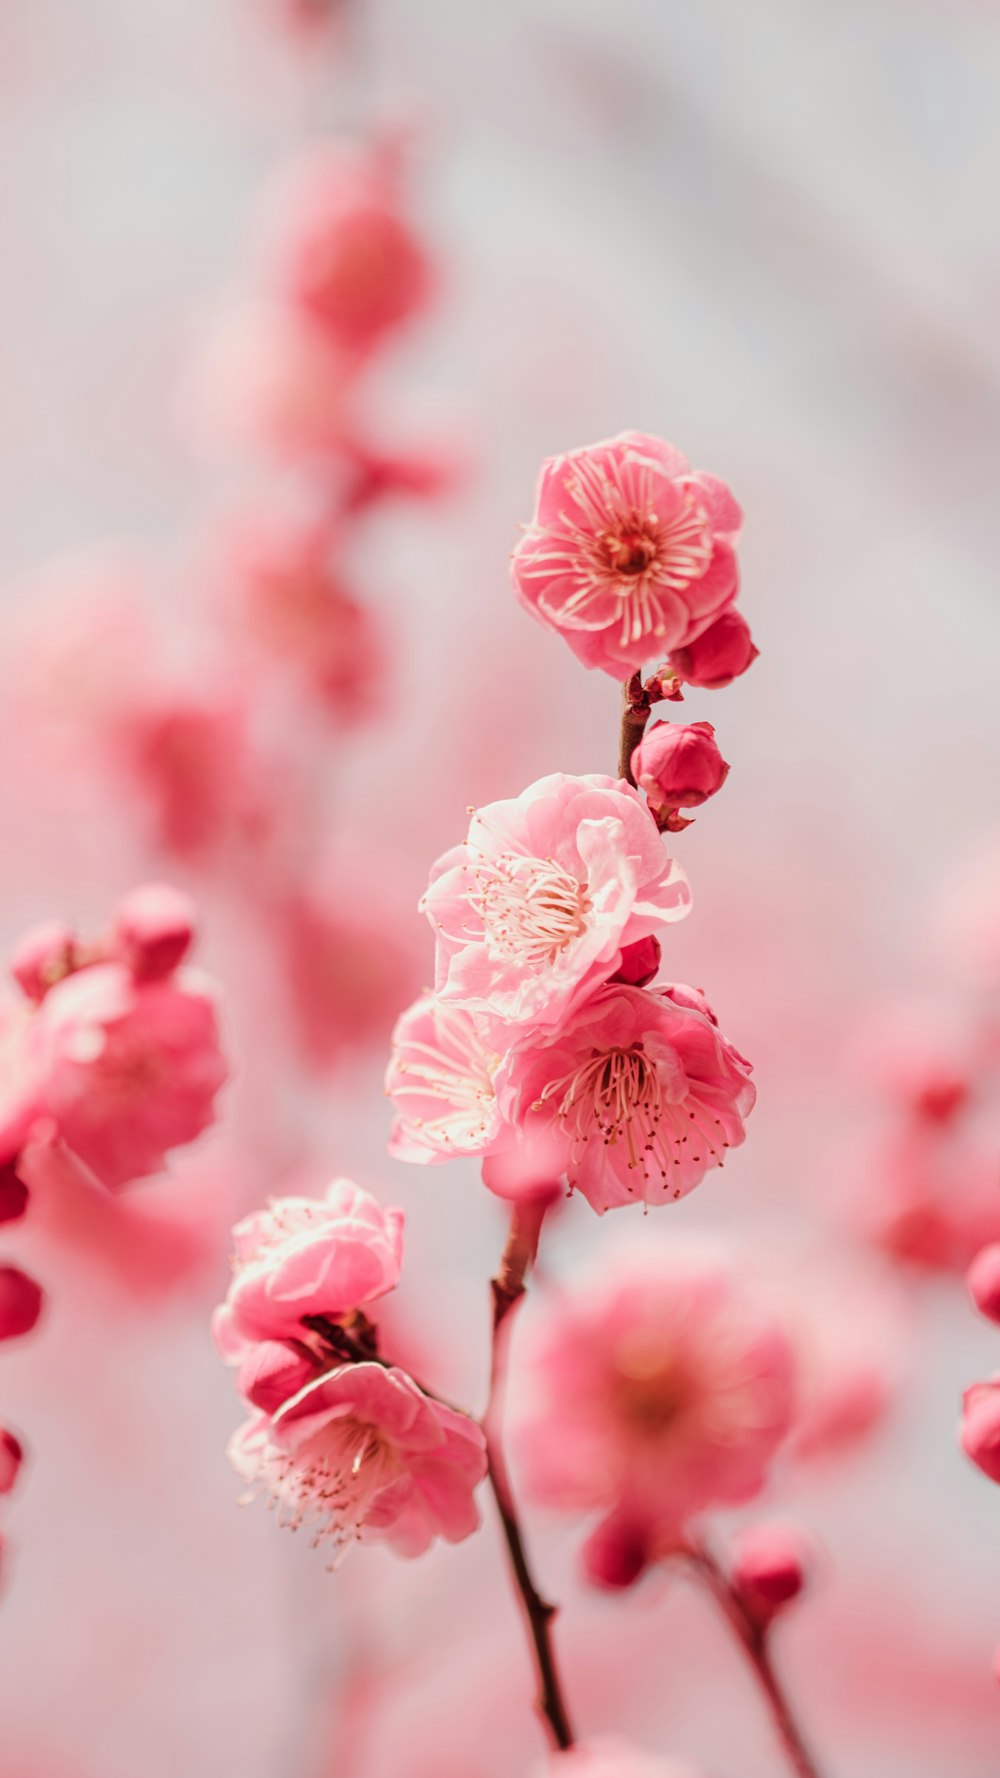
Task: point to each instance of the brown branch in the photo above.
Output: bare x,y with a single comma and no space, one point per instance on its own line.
754,1641
508,1289
636,709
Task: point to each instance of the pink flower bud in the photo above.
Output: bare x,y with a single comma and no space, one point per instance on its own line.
983,1280
153,931
678,765
272,1373
11,1459
639,963
719,655
768,1568
42,957
13,1193
981,1427
615,1555
20,1302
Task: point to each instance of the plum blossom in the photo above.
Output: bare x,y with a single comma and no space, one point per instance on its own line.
630,554
308,1256
640,1087
362,1454
611,1759
661,1388
440,1080
679,766
535,908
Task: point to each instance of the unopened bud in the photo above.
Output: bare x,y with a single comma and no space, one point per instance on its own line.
21,1302
154,930
719,655
679,766
981,1427
769,1565
615,1555
11,1459
13,1193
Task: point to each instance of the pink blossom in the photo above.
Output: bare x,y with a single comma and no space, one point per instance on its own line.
308,1256
630,553
362,1453
127,1069
21,1303
189,757
440,1081
534,910
981,1427
612,1759
660,1388
719,655
678,765
341,248
642,1089
11,1459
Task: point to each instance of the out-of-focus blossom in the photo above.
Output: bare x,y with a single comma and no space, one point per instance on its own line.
928,1196
983,1281
852,1328
126,1069
679,766
660,1388
154,929
643,1091
308,1256
11,1459
769,1566
630,553
535,908
21,1302
341,248
981,1427
440,1081
348,963
189,759
611,1759
271,380
719,655
362,1453
922,1057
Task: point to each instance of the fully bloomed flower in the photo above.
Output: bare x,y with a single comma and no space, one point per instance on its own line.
640,1089
535,908
440,1081
611,1759
630,554
308,1256
362,1453
126,1069
659,1390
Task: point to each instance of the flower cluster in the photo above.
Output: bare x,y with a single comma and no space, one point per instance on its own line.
338,1439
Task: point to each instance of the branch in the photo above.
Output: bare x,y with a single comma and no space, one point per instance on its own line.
636,709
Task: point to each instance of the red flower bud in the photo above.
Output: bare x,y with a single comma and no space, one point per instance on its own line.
679,766
13,1193
639,963
769,1565
981,1427
615,1555
720,654
20,1302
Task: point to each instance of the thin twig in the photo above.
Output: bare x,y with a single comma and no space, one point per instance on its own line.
636,709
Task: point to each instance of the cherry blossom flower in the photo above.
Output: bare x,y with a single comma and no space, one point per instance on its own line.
308,1256
630,554
536,907
440,1081
127,1069
719,655
611,1759
642,1089
679,766
655,1390
362,1453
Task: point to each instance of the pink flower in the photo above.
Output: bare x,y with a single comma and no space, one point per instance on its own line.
127,1069
535,908
630,553
362,1453
643,1091
719,655
21,1303
611,1759
660,1389
440,1081
679,766
981,1427
308,1256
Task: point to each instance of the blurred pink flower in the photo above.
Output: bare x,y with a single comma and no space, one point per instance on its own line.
440,1081
127,1070
350,962
154,929
643,1091
308,1256
678,765
630,553
928,1195
361,1453
655,1390
21,1303
719,655
270,380
534,909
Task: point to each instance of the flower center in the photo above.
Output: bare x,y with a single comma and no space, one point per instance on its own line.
531,909
617,1095
629,552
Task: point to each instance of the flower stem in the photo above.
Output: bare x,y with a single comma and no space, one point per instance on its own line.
508,1288
635,715
755,1644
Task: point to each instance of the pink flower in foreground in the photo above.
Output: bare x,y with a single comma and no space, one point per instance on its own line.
679,766
661,1389
440,1081
536,907
630,553
981,1427
719,655
642,1090
308,1256
362,1453
127,1069
611,1759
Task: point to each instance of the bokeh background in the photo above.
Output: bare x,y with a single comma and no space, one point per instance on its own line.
768,233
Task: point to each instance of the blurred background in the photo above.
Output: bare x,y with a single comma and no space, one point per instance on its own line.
769,234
